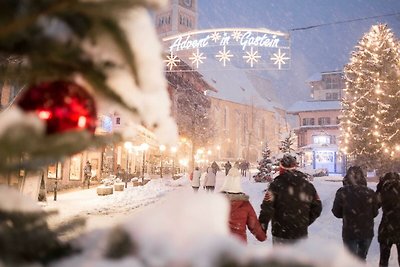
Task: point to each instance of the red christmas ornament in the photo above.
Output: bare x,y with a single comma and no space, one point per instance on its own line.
63,105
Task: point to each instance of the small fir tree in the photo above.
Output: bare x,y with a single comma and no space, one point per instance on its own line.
287,144
264,166
370,115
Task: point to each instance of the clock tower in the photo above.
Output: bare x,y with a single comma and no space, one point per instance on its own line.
180,16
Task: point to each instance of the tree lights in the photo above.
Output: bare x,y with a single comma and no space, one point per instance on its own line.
370,108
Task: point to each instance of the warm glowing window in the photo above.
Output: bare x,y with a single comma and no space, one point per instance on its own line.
321,139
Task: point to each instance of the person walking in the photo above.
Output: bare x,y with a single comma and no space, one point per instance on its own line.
209,180
241,214
242,167
87,173
388,196
357,205
196,175
227,166
291,203
215,167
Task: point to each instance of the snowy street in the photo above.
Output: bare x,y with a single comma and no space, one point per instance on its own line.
106,211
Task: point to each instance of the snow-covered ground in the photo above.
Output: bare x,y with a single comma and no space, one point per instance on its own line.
165,207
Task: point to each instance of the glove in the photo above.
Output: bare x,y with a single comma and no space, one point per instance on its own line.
264,227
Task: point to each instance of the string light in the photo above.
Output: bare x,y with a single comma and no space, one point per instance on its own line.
370,95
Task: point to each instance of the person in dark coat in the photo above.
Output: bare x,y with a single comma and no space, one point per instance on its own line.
357,205
388,195
291,203
87,172
227,166
215,167
241,213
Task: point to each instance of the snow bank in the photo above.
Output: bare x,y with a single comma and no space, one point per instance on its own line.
12,200
191,229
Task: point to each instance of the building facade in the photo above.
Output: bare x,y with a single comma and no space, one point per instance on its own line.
318,123
179,16
242,131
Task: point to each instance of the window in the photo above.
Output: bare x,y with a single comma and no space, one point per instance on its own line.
332,96
321,139
324,156
302,139
324,121
332,81
308,121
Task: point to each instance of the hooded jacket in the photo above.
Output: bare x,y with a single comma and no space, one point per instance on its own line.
357,205
210,178
388,194
291,203
242,214
196,178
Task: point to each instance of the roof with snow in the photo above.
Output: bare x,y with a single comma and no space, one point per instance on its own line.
315,77
238,86
304,106
318,76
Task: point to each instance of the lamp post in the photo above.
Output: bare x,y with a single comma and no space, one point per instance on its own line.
162,149
143,147
173,151
56,183
128,146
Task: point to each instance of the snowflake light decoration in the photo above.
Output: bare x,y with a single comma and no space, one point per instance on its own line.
171,61
215,36
236,35
252,57
197,58
224,55
279,58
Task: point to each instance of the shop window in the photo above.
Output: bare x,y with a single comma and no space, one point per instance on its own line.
75,168
324,156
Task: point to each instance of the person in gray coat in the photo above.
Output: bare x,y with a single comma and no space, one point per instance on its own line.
195,177
209,180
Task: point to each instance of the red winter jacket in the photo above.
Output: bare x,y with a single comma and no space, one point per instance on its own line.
242,214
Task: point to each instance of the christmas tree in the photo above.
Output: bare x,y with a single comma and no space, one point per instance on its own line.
264,166
72,61
370,117
287,143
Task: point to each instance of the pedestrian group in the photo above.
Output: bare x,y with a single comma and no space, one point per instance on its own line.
291,203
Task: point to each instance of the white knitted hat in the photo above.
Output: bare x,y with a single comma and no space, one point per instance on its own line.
232,182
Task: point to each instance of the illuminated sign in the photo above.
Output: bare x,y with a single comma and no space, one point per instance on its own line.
241,48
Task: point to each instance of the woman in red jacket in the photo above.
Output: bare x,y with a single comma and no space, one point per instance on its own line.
242,213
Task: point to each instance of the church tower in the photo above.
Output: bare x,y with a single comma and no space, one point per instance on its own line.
180,16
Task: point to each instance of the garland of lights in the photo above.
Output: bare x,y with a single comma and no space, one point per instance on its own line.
254,48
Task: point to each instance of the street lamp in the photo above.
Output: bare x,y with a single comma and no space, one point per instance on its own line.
162,149
184,163
173,151
128,146
143,147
